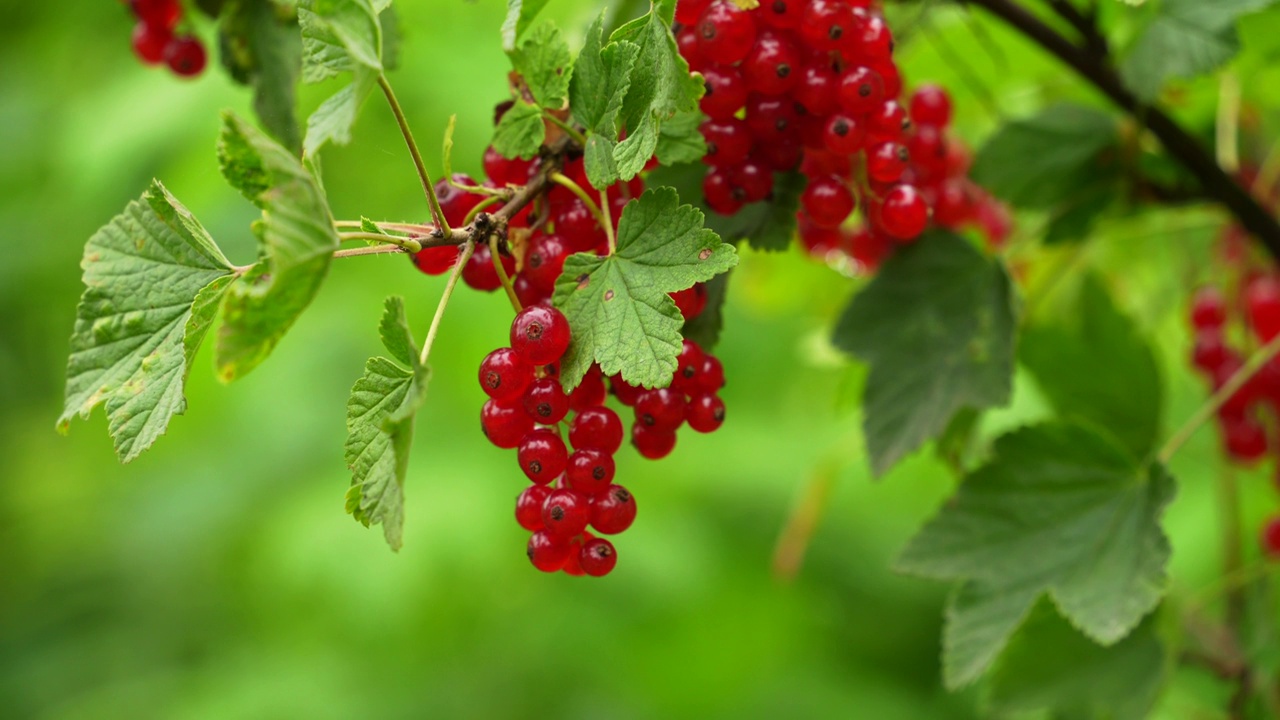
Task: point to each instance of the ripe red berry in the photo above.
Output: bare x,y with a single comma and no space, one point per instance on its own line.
504,375
903,212
566,513
710,375
479,273
623,390
728,142
1271,537
547,552
545,401
597,428
816,89
542,455
435,260
504,171
185,56
1208,309
705,413
752,180
930,105
652,444
861,90
162,14
876,44
1245,439
589,393
928,150
504,425
613,510
954,205
661,409
725,33
1262,300
844,135
887,161
455,202
544,261
150,41
888,123
688,365
827,201
540,334
726,92
597,557
688,11
529,507
825,23
590,472
773,65
782,14
769,118
719,192
691,301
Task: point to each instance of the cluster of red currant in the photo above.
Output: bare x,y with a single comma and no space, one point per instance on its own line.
156,41
812,84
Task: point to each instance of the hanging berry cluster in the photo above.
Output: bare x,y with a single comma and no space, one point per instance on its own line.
156,40
812,84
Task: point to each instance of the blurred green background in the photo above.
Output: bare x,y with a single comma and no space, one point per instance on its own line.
217,576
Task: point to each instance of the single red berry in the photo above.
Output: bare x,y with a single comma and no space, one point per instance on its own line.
505,171
652,444
710,375
954,205
688,11
753,180
769,118
150,41
1245,439
719,192
705,413
691,301
545,401
504,425
1208,309
888,123
825,23
687,44
876,44
547,552
542,455
928,150
613,511
861,90
728,142
597,428
773,65
566,513
660,409
162,14
435,260
589,393
782,14
623,390
504,375
688,365
590,472
827,201
903,212
544,261
726,92
185,56
527,294
578,228
930,105
540,334
1262,300
455,202
529,507
479,273
1271,537
725,33
816,90
887,161
844,135
598,557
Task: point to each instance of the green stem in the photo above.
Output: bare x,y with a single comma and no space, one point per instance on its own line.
437,215
608,223
407,244
371,250
398,227
479,208
502,274
566,127
467,250
601,215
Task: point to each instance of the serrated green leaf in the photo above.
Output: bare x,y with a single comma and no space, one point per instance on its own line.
1064,509
520,132
597,159
262,47
980,618
1186,38
1042,161
1051,666
937,327
296,237
380,419
338,36
333,120
601,78
664,88
520,15
618,308
681,140
542,58
1094,365
705,328
152,278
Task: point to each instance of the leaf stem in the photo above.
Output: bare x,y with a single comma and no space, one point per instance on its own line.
467,250
502,274
1215,402
437,215
608,223
399,227
566,127
408,244
371,250
597,211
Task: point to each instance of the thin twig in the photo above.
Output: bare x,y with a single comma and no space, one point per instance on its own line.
407,244
437,215
371,250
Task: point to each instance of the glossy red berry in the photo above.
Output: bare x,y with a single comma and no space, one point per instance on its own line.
751,180
887,161
773,65
725,33
930,105
888,122
691,301
548,552
504,425
542,455
719,192
613,511
566,513
705,413
903,212
827,201
861,90
876,44
150,41
710,375
1270,537
954,204
844,135
544,261
505,171
688,365
529,507
728,142
540,334
185,56
825,23
598,557
769,118
590,472
650,443
928,150
1208,309
1262,301
504,375
589,393
816,89
435,260
545,401
597,428
661,409
726,92
479,273
455,202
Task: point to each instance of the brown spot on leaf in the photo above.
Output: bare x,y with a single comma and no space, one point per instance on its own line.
583,281
704,254
608,295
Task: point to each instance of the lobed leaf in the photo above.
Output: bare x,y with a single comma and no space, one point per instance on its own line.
520,132
520,15
601,78
542,58
261,46
341,36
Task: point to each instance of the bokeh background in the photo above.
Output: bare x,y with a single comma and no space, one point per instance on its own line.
218,577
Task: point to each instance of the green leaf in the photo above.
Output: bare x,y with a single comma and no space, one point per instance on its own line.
380,418
333,120
340,36
597,159
1075,217
664,88
520,132
681,141
705,328
1042,161
980,617
1186,38
261,47
520,15
1051,666
601,78
937,327
296,239
1060,509
618,308
1095,366
543,60
153,278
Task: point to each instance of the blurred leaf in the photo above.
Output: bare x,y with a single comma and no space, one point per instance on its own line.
153,278
1064,510
980,617
680,140
705,328
1074,219
296,238
542,59
520,132
1186,38
263,49
333,120
520,14
1094,366
340,36
937,327
618,308
380,417
1042,161
953,444
389,20
1050,665
661,86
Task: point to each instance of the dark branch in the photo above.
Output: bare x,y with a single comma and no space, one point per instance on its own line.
1176,140
1084,24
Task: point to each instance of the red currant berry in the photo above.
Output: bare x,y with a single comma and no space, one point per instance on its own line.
844,135
726,92
455,202
547,552
1245,439
877,42
861,90
652,444
150,41
816,90
504,425
660,409
710,375
954,205
1209,352
691,301
705,413
903,212
527,294
928,151
624,391
598,557
887,161
504,171
688,365
888,123
185,56
435,260
728,142
542,455
827,202
688,11
162,14
930,105
566,513
721,195
546,402
752,180
597,428
1271,537
479,273
1262,301
589,393
613,511
544,261
590,472
725,33
825,23
769,118
1208,309
504,376
529,507
773,65
687,43
782,14
540,334
578,227
821,162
